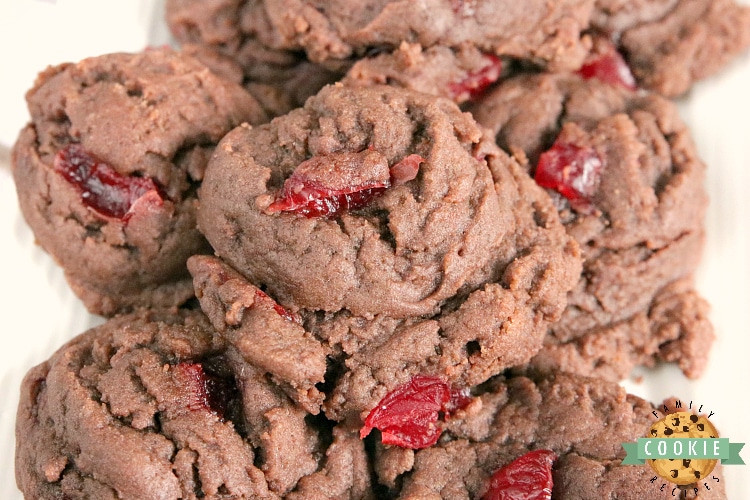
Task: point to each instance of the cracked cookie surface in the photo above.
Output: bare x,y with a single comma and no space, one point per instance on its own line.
156,405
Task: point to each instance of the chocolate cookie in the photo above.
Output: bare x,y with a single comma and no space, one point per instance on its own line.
107,171
671,44
158,406
629,187
545,33
584,421
431,222
403,238
664,46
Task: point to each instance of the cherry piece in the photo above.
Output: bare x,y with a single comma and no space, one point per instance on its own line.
571,170
263,298
476,82
329,185
459,400
406,170
407,416
528,477
205,391
102,189
609,66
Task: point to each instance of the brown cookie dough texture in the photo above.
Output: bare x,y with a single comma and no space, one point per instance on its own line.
455,272
224,35
583,420
283,46
415,246
152,406
156,115
634,303
437,70
266,335
331,32
670,44
278,90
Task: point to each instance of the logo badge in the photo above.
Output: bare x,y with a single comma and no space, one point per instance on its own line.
686,427
683,448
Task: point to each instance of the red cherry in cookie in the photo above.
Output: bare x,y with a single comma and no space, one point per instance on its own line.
573,171
102,189
607,65
329,185
476,82
408,415
529,477
203,391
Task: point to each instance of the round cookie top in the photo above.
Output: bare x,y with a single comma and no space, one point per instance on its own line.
123,109
628,184
404,240
106,171
639,180
377,201
151,405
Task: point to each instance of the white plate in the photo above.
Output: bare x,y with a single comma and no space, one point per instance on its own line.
39,313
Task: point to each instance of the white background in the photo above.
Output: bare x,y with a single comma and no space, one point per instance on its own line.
39,313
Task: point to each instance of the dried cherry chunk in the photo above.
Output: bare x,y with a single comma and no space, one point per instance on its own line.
328,185
102,189
476,82
529,477
406,169
314,200
573,171
408,415
204,391
459,400
607,65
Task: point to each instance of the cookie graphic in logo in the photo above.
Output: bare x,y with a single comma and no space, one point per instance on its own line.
683,471
683,448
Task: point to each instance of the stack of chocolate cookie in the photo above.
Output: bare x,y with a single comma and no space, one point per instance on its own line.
369,250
